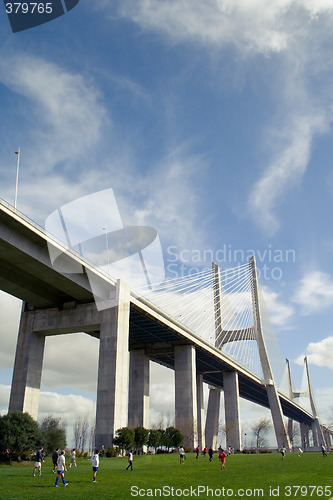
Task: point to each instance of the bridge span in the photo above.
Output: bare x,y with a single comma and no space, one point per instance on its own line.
132,331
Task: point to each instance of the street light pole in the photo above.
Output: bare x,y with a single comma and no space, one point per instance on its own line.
17,175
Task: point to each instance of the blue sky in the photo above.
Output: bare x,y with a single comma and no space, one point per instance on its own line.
212,122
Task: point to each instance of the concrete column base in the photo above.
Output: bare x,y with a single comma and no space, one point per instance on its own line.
231,409
186,394
28,365
201,412
213,417
138,403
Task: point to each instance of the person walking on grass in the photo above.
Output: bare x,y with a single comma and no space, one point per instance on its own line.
95,463
130,460
73,458
181,455
61,468
222,457
55,456
38,462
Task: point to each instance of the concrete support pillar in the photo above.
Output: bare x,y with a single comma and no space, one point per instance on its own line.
138,403
27,368
304,436
113,369
291,430
201,412
317,434
231,408
186,394
213,417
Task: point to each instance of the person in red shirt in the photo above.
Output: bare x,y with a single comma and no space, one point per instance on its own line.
222,457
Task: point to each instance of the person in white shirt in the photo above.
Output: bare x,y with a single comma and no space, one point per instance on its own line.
73,458
95,463
130,460
61,468
181,455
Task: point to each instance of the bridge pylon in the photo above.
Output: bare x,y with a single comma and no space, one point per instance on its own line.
317,432
281,433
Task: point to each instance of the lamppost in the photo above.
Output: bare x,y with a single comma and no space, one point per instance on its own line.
17,175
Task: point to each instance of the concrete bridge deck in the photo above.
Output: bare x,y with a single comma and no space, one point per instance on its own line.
26,272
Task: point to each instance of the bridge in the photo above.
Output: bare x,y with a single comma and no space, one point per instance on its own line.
69,294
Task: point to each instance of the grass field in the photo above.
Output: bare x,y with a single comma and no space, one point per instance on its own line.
246,476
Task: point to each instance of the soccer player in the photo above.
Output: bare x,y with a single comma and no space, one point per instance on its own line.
222,457
73,458
95,462
38,461
61,468
181,455
55,456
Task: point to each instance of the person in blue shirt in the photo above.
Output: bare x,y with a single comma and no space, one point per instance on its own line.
38,461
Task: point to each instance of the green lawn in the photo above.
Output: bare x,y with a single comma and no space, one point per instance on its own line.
248,476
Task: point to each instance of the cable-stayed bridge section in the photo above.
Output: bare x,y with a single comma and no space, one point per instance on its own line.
220,340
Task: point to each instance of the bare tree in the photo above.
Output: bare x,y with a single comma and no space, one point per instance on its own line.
261,428
225,430
92,438
80,432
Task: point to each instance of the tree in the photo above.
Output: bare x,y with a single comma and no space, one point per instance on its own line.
262,427
19,433
173,437
124,438
154,438
140,437
53,433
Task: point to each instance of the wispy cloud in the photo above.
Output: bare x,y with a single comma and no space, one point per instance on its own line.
314,292
61,119
252,26
292,31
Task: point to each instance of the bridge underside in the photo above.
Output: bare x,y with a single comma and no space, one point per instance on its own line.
146,332
26,272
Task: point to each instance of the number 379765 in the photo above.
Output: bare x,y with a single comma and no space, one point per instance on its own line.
28,8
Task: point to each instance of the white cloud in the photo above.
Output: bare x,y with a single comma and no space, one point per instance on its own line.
66,407
61,122
319,353
284,171
71,360
314,293
280,314
295,32
63,109
252,26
